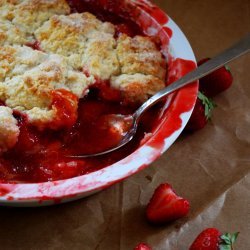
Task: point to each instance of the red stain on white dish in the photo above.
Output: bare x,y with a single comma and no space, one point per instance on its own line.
169,31
154,11
4,191
177,68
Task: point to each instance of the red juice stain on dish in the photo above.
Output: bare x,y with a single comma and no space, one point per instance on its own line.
155,12
169,31
4,191
177,69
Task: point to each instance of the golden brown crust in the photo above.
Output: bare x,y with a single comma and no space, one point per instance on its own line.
137,88
99,57
15,60
140,55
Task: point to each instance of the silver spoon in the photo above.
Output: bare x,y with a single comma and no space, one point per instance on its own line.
228,55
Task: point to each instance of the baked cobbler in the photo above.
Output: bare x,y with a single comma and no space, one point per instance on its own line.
61,74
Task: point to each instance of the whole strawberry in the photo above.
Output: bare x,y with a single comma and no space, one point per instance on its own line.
216,82
142,246
212,239
201,114
166,206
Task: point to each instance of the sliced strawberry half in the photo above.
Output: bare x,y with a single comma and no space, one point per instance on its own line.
166,206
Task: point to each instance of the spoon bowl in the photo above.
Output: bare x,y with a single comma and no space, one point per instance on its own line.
127,132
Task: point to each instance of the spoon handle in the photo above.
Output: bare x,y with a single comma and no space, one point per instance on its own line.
228,55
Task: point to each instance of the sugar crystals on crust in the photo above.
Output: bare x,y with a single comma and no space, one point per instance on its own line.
15,60
31,14
11,34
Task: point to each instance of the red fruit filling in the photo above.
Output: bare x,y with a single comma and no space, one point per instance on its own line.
42,155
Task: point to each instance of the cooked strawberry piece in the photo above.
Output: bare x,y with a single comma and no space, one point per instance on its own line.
104,91
111,5
166,206
27,139
142,246
216,82
66,104
34,45
201,113
91,110
211,239
108,93
60,170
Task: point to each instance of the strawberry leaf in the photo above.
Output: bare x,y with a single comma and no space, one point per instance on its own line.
208,104
227,68
234,237
225,247
227,241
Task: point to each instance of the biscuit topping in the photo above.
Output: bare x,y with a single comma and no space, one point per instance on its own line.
82,38
28,79
76,51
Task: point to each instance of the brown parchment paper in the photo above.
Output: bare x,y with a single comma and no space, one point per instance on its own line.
210,167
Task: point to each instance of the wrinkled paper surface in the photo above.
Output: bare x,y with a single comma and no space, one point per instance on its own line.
210,167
